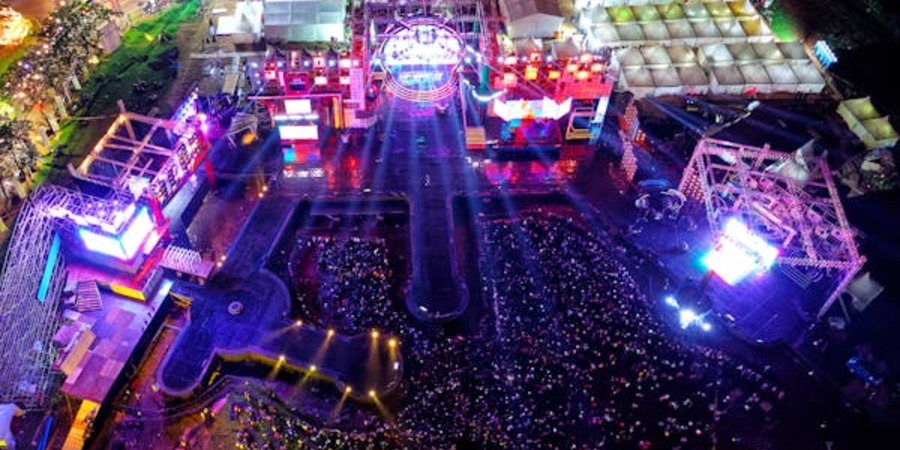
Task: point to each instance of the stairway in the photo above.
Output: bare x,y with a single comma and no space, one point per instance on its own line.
87,297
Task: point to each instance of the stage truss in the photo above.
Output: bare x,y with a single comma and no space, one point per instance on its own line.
788,199
27,354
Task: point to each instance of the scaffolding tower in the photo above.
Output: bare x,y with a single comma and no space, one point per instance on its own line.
789,199
31,286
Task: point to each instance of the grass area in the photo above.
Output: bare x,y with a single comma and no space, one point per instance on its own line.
131,62
113,78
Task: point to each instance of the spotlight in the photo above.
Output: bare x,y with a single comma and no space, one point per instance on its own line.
392,342
298,323
348,389
281,358
312,368
686,317
330,332
706,326
375,334
372,393
671,301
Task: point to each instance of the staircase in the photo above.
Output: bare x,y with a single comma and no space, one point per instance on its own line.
87,297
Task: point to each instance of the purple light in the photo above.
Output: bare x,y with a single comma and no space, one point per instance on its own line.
124,246
137,232
739,253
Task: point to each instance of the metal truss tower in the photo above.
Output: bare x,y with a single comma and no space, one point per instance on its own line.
790,199
28,323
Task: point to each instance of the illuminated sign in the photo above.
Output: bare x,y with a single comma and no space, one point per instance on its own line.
301,106
298,132
124,246
531,109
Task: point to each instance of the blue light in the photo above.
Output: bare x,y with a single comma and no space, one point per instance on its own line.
670,300
52,256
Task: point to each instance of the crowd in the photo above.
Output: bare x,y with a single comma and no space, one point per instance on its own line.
350,287
568,356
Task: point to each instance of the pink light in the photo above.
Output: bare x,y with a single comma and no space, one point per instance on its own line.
739,253
136,234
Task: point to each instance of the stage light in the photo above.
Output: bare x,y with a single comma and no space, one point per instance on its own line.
298,323
330,332
281,358
375,334
706,326
392,342
686,317
670,300
348,389
554,74
738,253
312,368
372,393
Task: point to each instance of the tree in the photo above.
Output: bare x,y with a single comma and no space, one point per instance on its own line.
17,152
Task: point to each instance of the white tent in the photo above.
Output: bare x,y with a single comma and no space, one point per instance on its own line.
715,55
304,20
755,76
768,52
783,77
655,31
743,54
630,57
656,57
693,79
532,18
793,52
681,30
731,29
726,80
682,55
811,80
666,81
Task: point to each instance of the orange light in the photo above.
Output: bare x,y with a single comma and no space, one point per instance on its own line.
583,75
348,389
299,323
330,332
313,368
372,393
531,73
572,67
392,342
509,79
553,74
375,334
596,67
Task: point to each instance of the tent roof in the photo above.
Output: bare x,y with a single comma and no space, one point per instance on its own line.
695,10
717,54
727,75
781,74
630,32
680,29
638,77
667,77
521,9
718,9
755,74
630,57
807,73
768,52
656,31
682,54
862,108
693,76
743,53
566,49
730,28
706,29
880,128
656,55
793,50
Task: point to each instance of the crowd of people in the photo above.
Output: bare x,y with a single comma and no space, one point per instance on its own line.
349,290
568,356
